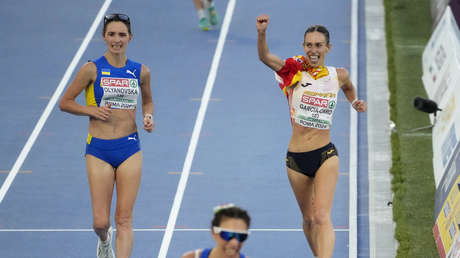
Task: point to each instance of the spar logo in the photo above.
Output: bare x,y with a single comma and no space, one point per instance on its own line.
114,82
118,82
317,102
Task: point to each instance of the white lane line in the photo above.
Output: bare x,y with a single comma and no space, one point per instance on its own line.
196,131
158,230
353,188
41,122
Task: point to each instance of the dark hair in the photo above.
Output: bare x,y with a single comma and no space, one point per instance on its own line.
318,28
230,212
113,17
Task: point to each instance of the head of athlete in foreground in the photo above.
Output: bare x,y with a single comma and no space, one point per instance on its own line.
229,229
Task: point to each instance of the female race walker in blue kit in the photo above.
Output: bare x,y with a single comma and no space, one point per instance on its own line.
112,84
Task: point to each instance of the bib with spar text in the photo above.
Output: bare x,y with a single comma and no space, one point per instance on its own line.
117,87
312,102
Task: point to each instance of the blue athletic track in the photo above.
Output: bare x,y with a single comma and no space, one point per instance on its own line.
235,153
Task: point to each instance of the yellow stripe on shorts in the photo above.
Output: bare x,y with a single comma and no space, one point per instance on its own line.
88,140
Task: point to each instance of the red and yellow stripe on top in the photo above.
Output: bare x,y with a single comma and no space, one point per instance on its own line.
291,73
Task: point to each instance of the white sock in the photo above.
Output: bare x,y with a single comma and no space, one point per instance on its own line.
208,4
201,14
106,239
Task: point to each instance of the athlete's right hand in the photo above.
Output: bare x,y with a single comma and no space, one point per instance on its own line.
262,22
101,113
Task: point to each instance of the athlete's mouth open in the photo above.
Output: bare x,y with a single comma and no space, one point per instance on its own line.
313,58
117,46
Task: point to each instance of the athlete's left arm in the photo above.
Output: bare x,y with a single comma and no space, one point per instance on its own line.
350,91
147,102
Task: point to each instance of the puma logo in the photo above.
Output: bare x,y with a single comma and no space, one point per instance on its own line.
306,84
132,73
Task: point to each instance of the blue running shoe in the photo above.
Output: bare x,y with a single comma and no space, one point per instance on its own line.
204,23
213,18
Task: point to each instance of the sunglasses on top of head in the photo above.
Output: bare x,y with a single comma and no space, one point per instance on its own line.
116,17
227,234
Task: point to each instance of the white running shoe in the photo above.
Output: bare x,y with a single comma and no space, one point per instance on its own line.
104,248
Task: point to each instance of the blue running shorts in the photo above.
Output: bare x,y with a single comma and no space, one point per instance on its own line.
113,151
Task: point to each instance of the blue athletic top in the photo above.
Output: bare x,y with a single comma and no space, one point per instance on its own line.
206,252
118,87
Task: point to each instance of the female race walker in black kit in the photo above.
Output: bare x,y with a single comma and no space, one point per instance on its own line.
312,160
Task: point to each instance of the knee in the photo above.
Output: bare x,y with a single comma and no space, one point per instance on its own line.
123,221
101,223
308,220
101,229
322,217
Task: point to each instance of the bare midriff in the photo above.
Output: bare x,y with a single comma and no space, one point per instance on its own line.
122,122
307,139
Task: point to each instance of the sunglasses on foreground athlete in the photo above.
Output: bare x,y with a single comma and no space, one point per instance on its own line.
228,234
229,229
